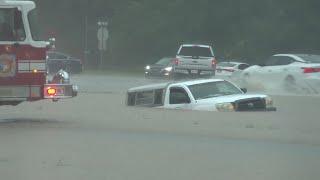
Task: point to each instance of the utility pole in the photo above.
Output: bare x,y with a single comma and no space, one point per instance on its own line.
86,51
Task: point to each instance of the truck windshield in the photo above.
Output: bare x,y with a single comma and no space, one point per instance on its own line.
11,25
195,51
34,25
213,89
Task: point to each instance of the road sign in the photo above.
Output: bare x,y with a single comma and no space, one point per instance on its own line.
103,34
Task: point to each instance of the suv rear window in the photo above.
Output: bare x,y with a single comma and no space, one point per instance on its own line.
197,51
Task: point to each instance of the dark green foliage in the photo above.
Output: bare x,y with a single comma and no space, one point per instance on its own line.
144,30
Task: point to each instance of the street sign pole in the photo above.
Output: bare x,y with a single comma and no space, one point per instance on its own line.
103,36
101,51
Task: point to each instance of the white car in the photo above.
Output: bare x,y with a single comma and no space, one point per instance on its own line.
291,71
230,68
205,95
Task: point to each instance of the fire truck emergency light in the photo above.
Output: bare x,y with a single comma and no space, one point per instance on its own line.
51,91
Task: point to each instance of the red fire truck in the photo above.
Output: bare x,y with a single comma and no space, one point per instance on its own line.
23,68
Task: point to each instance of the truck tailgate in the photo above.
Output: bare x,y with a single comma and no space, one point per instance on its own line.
201,63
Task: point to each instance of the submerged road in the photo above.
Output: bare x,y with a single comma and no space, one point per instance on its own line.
95,136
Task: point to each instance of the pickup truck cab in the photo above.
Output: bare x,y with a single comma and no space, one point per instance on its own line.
195,59
205,95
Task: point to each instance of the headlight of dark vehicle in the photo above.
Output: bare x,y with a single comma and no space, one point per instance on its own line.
168,69
147,68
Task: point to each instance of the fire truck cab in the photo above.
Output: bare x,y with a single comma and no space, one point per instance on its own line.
23,67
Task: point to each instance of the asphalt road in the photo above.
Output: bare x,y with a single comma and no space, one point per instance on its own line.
95,136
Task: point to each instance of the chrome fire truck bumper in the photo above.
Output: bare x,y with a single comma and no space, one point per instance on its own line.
59,87
59,91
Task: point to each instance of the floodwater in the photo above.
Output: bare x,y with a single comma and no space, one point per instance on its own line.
95,136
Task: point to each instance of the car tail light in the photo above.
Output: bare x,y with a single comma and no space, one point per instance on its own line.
176,61
213,62
51,91
310,70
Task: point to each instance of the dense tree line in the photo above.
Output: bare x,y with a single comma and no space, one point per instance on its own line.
144,30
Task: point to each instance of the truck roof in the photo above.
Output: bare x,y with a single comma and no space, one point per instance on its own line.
199,45
164,85
193,82
149,87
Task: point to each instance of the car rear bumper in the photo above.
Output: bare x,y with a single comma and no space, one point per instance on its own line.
313,83
313,80
223,73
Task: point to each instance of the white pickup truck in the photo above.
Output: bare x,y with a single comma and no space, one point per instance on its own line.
195,59
205,95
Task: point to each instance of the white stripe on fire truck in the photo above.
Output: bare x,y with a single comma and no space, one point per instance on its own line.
29,66
32,61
